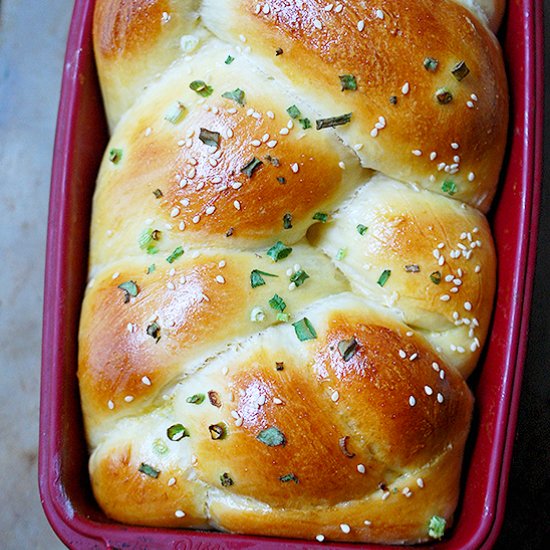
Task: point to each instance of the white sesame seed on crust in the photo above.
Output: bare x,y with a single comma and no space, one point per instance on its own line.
345,528
420,482
179,513
361,468
428,390
110,404
171,481
320,538
412,401
335,396
146,380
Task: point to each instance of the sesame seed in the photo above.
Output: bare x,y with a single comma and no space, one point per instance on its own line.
433,155
179,513
146,380
361,26
402,354
345,528
242,38
210,210
455,145
290,124
236,185
272,144
170,285
413,356
440,398
110,404
291,287
420,482
277,401
406,88
428,390
175,212
171,481
412,401
367,522
361,468
442,374
335,396
416,152
435,366
320,538
477,268
317,24
474,97
342,165
471,176
469,104
239,422
284,131
407,492
294,167
385,495
116,275
129,398
445,298
220,279
237,205
255,143
374,132
379,14
467,306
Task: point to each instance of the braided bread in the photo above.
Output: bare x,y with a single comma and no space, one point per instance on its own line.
291,273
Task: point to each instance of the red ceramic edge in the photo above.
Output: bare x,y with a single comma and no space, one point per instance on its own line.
535,94
78,531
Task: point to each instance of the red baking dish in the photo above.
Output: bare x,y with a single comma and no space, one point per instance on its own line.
80,141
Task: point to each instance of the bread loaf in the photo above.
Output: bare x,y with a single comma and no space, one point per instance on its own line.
291,272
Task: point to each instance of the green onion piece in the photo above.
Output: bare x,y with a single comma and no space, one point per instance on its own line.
361,229
212,139
304,330
157,193
160,447
443,96
343,443
348,82
236,95
279,251
214,398
272,437
341,254
287,221
177,432
148,470
115,155
347,348
147,240
217,431
393,99
383,279
176,113
229,59
320,217
288,477
251,167
153,330
196,399
130,289
283,317
178,252
435,277
460,70
256,278
412,268
151,269
333,121
430,64
277,303
281,180
449,186
305,123
226,480
299,278
436,528
202,88
293,111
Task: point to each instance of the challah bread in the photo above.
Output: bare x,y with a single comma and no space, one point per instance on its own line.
291,274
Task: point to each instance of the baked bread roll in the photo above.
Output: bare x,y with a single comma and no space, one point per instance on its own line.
291,273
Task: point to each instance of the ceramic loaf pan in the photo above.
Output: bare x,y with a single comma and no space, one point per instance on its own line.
80,141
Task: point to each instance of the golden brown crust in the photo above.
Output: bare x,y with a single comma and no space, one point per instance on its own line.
275,339
387,60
